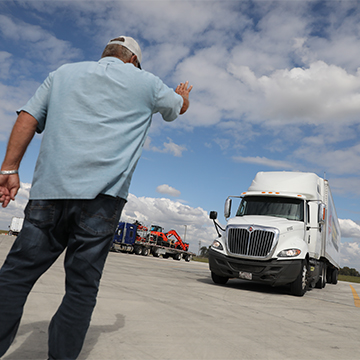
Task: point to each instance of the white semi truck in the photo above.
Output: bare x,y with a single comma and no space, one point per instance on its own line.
285,231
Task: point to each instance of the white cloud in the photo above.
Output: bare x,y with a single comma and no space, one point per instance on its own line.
349,228
350,251
6,61
318,94
37,43
337,161
350,255
264,161
168,147
167,190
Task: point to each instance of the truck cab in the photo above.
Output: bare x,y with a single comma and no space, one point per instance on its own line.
277,235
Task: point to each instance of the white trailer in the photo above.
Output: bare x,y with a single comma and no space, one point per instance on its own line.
285,231
15,225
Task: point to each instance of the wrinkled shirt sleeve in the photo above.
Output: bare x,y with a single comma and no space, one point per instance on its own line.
168,102
37,106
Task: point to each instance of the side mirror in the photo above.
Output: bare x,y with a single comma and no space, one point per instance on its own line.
227,208
322,213
213,215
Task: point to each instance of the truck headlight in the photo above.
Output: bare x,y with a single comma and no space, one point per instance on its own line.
289,253
217,245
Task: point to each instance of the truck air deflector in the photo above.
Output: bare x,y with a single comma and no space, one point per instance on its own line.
252,241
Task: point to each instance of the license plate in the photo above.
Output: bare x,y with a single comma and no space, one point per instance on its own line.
245,275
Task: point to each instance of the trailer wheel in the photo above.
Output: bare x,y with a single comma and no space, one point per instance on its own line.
138,250
177,256
329,276
334,276
300,285
145,251
322,280
217,279
156,253
187,258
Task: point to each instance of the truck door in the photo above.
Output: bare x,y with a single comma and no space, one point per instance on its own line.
313,230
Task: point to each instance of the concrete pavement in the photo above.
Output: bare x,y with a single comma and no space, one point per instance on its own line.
152,308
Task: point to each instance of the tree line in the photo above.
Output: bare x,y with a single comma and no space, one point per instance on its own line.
348,272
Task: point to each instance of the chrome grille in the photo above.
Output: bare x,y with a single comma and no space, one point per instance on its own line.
251,242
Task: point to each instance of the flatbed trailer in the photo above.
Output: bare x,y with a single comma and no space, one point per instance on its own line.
136,239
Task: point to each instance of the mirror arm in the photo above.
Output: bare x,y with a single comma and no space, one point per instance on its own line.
217,227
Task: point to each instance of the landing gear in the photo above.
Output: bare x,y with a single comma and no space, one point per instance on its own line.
323,276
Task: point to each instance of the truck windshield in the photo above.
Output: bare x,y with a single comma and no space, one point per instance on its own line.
289,208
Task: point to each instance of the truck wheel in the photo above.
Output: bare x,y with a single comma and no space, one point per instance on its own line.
217,279
177,257
328,276
145,251
138,250
187,258
300,285
322,280
156,253
334,276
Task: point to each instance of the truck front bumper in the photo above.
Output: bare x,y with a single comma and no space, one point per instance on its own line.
273,272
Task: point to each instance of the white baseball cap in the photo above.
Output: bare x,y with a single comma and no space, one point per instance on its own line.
129,43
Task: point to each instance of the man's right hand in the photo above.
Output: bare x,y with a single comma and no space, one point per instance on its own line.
9,186
184,91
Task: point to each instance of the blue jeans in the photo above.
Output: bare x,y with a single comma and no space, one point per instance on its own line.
86,228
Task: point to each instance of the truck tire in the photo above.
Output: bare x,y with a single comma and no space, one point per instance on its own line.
177,257
329,276
145,251
187,258
156,253
138,250
322,280
217,279
300,285
334,276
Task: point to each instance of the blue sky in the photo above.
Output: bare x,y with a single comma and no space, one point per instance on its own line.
276,87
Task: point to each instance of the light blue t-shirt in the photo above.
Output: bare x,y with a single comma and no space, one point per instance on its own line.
95,117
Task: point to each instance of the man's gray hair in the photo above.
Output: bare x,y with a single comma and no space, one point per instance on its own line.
117,51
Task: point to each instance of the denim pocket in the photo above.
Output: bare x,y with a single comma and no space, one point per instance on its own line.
100,216
40,213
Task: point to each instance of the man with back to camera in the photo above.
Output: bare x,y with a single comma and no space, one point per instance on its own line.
94,117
